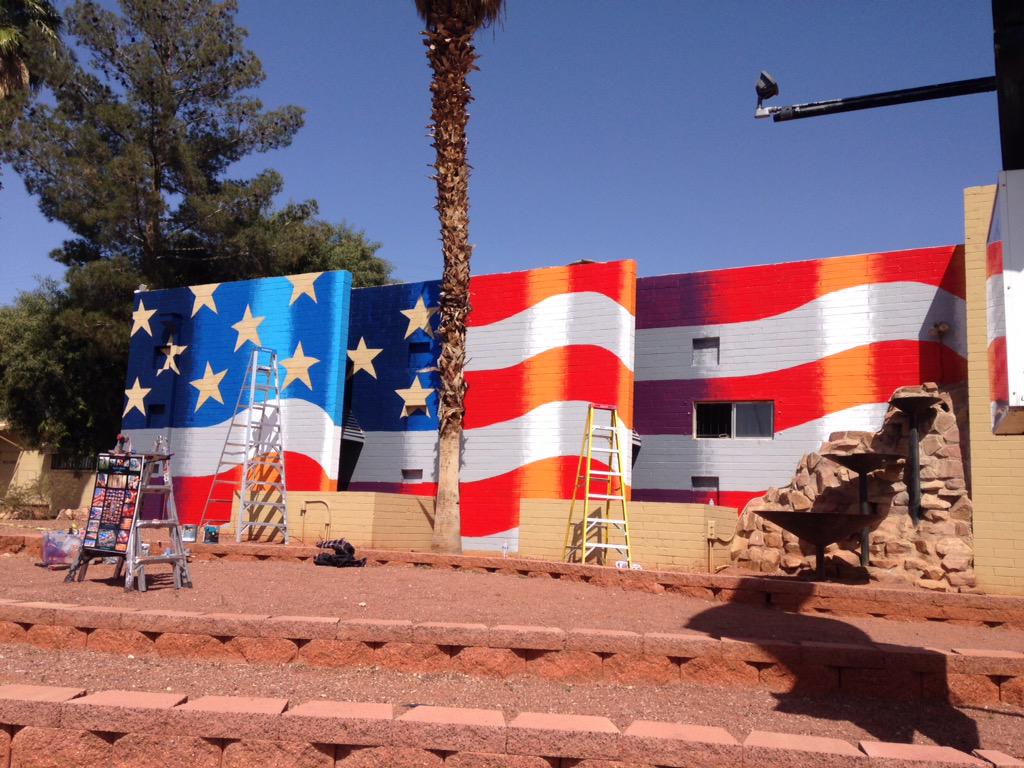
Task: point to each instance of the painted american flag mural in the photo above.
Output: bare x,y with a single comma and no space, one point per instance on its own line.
541,345
825,341
188,357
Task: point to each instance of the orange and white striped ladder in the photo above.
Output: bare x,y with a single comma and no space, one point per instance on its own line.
604,525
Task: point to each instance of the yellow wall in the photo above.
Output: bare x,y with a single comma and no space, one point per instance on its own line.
376,520
53,489
662,535
997,461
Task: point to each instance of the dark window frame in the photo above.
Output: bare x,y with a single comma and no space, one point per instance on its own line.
698,435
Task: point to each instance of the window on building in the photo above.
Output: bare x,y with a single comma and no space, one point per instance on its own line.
705,352
69,462
729,420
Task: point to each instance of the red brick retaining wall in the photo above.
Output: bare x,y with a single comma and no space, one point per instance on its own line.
44,726
960,677
782,593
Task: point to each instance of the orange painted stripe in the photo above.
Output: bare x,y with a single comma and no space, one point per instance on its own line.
576,372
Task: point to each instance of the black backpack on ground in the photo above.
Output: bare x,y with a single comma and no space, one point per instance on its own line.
344,555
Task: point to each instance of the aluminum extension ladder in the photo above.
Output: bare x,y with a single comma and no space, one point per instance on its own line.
135,561
255,440
600,530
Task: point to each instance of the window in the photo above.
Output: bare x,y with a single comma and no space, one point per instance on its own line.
63,461
704,483
412,474
728,420
705,352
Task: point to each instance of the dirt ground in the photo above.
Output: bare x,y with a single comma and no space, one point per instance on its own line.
424,594
738,711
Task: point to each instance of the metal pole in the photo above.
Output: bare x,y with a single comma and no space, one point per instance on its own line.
914,481
865,509
885,99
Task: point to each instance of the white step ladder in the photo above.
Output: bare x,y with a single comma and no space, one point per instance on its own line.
135,560
255,441
601,529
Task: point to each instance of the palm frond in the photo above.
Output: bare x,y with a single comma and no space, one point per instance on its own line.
11,41
472,13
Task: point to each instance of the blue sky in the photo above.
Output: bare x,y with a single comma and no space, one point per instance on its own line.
607,129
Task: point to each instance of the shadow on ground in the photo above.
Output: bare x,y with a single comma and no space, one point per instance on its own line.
892,704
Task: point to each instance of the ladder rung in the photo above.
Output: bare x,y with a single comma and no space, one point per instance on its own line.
605,496
607,546
604,473
602,428
603,520
594,448
252,503
155,524
156,489
255,524
160,559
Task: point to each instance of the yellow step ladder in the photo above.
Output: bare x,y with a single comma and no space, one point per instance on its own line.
600,530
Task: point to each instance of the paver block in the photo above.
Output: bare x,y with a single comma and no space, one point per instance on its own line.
451,729
604,641
38,705
680,645
997,758
526,637
891,755
559,735
228,717
339,722
392,757
277,754
376,630
444,633
679,746
489,662
160,750
787,750
58,747
122,711
301,627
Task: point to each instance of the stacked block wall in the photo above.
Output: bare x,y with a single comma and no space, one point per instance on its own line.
997,461
663,535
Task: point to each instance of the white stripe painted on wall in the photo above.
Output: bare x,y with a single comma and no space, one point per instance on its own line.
836,322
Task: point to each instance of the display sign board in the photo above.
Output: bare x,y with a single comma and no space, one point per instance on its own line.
115,502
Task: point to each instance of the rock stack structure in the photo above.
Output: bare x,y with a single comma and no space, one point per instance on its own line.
935,554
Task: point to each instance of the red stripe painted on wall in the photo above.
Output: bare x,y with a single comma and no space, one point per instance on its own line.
496,297
867,374
565,373
752,293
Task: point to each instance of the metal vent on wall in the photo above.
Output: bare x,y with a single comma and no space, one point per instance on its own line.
352,431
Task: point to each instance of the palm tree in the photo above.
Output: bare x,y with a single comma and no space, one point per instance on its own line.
17,19
450,26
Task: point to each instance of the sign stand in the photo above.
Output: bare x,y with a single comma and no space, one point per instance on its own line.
123,480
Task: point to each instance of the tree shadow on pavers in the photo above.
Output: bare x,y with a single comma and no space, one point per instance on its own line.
827,669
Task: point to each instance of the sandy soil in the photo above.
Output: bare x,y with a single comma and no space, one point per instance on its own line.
736,710
424,594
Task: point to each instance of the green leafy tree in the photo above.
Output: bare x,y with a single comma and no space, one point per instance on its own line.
132,149
450,27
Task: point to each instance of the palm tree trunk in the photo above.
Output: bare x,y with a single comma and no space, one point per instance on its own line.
452,57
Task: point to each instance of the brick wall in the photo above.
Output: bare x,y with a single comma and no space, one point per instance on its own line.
997,461
663,535
365,518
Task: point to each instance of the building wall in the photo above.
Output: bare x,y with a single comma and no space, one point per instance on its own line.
215,329
28,474
997,479
663,535
366,519
541,345
828,341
